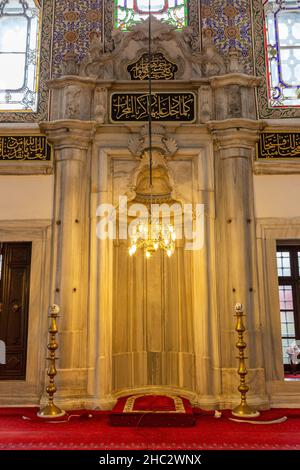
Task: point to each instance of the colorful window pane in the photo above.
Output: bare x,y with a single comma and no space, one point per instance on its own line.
282,38
19,54
130,12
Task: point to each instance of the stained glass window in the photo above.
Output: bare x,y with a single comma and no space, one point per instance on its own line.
130,12
19,54
282,38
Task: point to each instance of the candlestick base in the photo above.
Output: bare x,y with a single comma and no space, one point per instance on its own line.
50,411
243,410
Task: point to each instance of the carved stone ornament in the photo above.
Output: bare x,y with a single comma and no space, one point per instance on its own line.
70,66
160,141
164,184
194,24
236,62
97,63
212,63
100,104
72,101
174,45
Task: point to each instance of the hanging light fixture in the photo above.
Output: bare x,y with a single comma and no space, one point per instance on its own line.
152,234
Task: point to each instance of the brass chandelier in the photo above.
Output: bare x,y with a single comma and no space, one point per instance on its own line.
152,234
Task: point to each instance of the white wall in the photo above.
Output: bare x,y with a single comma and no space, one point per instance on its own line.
26,197
277,195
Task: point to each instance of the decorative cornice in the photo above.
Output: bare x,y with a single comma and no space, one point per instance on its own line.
233,134
236,123
235,79
69,80
69,133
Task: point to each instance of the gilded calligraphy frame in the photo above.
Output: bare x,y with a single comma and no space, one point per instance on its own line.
40,142
108,12
271,132
44,71
160,57
145,119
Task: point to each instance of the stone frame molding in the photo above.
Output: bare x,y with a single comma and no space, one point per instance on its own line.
268,231
38,232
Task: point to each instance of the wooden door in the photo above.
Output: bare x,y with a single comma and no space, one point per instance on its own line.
14,302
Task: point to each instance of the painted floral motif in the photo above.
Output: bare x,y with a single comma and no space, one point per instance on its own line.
228,23
76,23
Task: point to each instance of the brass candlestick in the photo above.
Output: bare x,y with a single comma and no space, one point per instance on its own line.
243,409
51,410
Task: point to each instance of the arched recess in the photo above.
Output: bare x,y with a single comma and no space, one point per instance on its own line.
151,325
153,343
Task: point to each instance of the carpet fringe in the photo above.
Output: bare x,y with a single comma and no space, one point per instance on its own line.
273,421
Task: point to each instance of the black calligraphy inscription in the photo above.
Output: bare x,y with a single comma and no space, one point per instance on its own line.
161,68
274,145
28,148
126,107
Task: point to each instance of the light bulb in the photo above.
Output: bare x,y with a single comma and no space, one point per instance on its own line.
155,246
169,253
132,250
173,236
148,254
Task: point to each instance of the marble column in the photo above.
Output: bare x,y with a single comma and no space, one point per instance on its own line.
70,251
234,141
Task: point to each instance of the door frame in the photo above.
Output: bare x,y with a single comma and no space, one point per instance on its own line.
28,391
9,266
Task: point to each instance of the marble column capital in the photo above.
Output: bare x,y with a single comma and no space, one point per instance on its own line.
235,137
69,133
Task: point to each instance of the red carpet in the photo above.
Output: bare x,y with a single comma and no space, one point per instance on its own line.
152,410
209,433
292,376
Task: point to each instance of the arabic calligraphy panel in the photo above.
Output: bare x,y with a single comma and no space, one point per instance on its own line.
161,68
28,148
278,145
133,107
